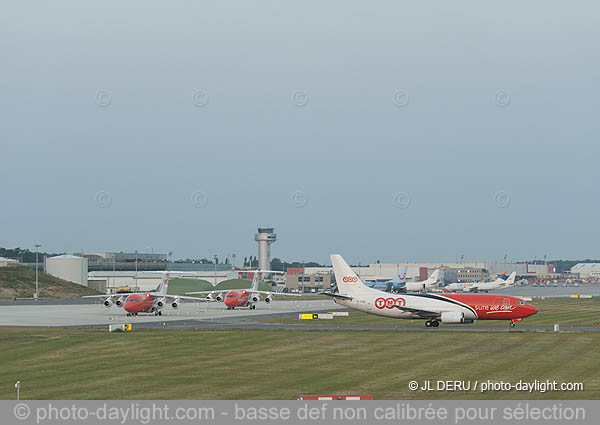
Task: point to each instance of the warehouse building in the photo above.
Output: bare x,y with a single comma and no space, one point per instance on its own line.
122,257
68,267
586,270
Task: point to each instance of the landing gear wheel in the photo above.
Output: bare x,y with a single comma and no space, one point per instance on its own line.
435,323
128,314
512,324
159,312
428,323
156,313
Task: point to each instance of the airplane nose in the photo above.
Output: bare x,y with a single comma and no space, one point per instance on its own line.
532,310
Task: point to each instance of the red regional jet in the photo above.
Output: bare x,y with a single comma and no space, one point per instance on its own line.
242,297
434,308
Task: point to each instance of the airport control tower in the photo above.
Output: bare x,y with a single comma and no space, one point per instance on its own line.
265,237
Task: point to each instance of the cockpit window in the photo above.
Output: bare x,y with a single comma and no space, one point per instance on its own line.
521,302
132,300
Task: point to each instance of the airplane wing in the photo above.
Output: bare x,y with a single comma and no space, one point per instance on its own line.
275,293
210,292
180,297
331,294
109,295
424,313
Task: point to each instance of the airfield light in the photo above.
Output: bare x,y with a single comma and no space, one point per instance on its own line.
18,387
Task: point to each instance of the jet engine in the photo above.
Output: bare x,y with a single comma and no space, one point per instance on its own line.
453,317
160,303
268,299
255,298
175,304
119,302
219,297
107,302
209,297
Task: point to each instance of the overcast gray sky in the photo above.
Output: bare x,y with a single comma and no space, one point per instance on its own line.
390,130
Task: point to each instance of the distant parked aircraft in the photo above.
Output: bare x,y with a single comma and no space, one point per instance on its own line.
424,285
392,285
497,284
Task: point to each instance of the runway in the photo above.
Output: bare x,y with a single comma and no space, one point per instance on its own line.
192,316
60,314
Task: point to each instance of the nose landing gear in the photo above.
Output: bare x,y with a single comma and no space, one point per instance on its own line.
513,322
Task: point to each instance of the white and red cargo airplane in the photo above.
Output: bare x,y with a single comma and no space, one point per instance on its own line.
145,302
434,308
242,297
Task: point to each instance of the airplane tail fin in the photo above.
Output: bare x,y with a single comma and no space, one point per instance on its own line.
164,284
347,281
511,279
402,276
434,278
254,286
256,277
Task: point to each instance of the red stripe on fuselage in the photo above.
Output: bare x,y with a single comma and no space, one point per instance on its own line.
494,307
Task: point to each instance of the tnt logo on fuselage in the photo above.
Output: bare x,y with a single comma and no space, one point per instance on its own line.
382,303
349,279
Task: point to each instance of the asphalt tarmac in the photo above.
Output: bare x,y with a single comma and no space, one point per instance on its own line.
213,315
60,314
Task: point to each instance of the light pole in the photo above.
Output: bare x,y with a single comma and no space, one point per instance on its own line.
215,257
114,272
169,260
136,280
18,387
37,285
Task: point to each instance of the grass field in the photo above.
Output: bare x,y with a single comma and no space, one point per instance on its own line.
19,282
564,311
279,364
181,286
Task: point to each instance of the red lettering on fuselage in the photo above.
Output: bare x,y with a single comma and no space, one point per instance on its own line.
495,307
